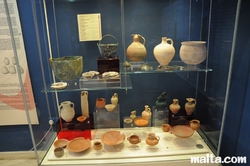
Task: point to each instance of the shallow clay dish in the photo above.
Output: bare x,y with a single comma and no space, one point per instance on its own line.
59,85
182,131
112,138
78,144
61,143
141,122
81,118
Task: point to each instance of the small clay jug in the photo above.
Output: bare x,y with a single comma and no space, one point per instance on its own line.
164,52
97,145
152,139
134,139
136,51
147,112
100,102
133,115
67,111
165,127
190,105
194,124
114,99
175,107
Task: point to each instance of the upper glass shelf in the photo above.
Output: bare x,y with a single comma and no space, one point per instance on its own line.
94,84
154,67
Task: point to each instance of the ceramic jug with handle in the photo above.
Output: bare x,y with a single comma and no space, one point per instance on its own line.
190,105
136,51
67,111
164,52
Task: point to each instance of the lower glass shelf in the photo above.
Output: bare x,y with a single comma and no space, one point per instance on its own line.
80,85
169,146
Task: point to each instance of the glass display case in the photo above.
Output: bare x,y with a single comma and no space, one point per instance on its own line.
54,29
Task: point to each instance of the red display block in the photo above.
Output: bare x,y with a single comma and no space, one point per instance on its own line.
70,135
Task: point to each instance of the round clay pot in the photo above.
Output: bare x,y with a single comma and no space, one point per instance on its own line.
194,124
193,52
97,145
165,127
100,102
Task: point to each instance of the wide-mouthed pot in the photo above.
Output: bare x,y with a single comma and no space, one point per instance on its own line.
67,68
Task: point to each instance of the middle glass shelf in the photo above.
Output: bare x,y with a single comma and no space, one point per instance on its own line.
154,67
91,84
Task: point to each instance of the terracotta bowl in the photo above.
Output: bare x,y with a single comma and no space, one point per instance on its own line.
81,118
141,122
182,131
61,143
112,137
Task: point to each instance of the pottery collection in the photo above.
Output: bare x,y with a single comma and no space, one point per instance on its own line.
67,111
164,52
193,52
136,51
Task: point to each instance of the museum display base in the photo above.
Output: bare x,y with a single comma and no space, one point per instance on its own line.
170,149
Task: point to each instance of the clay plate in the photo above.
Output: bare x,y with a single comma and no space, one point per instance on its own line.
141,122
61,143
78,144
112,138
182,131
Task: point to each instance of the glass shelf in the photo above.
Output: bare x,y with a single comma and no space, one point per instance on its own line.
125,83
174,66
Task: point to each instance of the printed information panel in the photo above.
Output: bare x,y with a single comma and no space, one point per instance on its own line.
12,108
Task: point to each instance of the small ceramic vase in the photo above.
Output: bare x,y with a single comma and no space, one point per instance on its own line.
146,113
97,145
190,105
175,107
136,51
165,127
114,99
164,52
152,139
85,103
67,111
194,124
100,102
134,139
133,115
